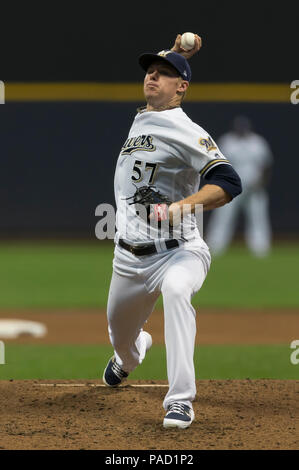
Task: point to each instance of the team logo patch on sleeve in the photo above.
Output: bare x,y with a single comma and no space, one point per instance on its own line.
142,142
208,144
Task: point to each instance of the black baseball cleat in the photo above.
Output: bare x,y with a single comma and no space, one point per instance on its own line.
113,374
178,415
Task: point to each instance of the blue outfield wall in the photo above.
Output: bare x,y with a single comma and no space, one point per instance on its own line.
58,159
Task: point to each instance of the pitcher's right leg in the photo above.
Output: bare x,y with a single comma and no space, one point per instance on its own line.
129,306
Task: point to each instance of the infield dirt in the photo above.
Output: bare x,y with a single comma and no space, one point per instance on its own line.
230,414
214,326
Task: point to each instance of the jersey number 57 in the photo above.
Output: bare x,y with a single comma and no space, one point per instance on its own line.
139,169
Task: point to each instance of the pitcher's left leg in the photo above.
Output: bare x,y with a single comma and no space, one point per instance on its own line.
184,277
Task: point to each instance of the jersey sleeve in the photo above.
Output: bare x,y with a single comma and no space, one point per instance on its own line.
199,150
225,177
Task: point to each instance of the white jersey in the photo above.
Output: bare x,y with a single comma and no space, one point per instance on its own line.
249,155
168,150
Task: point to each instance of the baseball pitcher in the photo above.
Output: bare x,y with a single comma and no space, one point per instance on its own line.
158,247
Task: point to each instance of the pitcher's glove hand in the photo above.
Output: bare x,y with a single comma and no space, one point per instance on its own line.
154,201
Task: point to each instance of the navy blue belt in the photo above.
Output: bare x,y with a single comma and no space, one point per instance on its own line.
147,248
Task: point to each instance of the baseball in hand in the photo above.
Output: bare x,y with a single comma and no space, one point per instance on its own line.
188,41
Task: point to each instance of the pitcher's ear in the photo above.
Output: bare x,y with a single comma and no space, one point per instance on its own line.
183,86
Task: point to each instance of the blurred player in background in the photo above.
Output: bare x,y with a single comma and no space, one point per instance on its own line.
251,156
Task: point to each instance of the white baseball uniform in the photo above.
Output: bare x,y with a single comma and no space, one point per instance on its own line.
250,155
166,149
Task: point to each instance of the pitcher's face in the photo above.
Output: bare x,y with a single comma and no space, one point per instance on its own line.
161,83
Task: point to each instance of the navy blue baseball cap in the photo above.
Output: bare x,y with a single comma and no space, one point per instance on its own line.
176,60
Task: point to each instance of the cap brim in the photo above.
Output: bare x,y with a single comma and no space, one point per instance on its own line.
146,59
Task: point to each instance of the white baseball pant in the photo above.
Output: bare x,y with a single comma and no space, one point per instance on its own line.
135,287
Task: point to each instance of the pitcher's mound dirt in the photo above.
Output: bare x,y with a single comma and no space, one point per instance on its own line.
232,414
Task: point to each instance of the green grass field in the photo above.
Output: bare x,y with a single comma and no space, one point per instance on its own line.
77,275
88,362
45,275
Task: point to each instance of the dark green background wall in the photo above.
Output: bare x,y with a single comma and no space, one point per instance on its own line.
242,41
57,158
58,161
